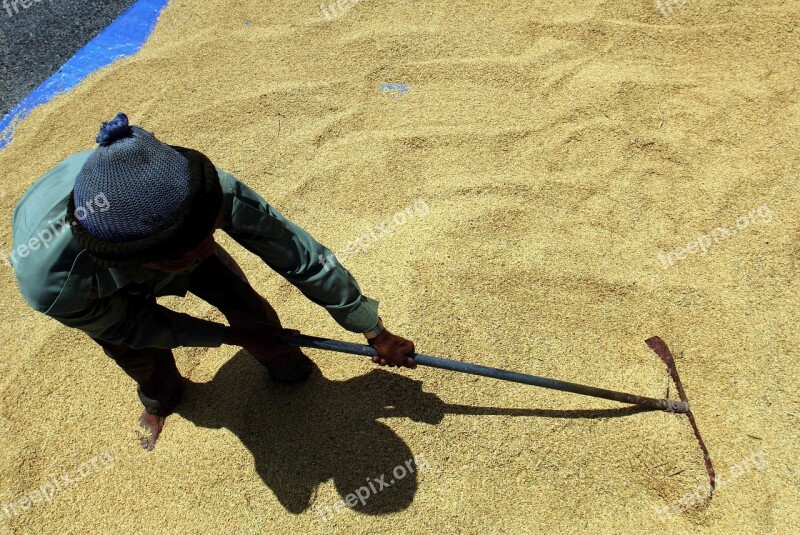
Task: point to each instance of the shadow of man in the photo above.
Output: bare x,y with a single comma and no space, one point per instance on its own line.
303,435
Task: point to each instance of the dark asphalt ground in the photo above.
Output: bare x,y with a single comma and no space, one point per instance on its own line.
35,42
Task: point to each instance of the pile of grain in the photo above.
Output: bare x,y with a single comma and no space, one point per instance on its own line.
559,147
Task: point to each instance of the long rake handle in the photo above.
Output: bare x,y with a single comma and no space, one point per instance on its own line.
327,344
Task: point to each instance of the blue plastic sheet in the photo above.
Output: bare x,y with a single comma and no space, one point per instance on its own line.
123,37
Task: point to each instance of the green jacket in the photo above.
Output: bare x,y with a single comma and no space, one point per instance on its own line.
58,278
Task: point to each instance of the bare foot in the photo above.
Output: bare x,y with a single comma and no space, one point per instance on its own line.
152,425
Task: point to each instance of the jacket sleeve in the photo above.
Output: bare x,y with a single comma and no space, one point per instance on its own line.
140,323
297,256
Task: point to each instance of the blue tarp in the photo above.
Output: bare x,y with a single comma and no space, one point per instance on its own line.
123,37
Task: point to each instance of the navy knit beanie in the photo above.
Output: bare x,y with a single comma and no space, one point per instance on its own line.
144,180
160,201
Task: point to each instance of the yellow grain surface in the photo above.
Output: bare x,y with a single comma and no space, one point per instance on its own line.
559,146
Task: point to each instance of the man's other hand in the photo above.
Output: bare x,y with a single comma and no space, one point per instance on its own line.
258,337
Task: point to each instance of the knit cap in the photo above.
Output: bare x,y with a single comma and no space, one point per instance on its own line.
159,201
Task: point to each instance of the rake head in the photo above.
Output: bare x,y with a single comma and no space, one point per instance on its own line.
661,349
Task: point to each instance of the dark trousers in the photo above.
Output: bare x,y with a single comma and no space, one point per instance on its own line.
219,282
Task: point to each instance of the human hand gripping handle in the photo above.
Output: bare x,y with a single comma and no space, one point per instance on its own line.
258,338
393,350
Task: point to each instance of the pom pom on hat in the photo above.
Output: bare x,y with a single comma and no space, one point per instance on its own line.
113,130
